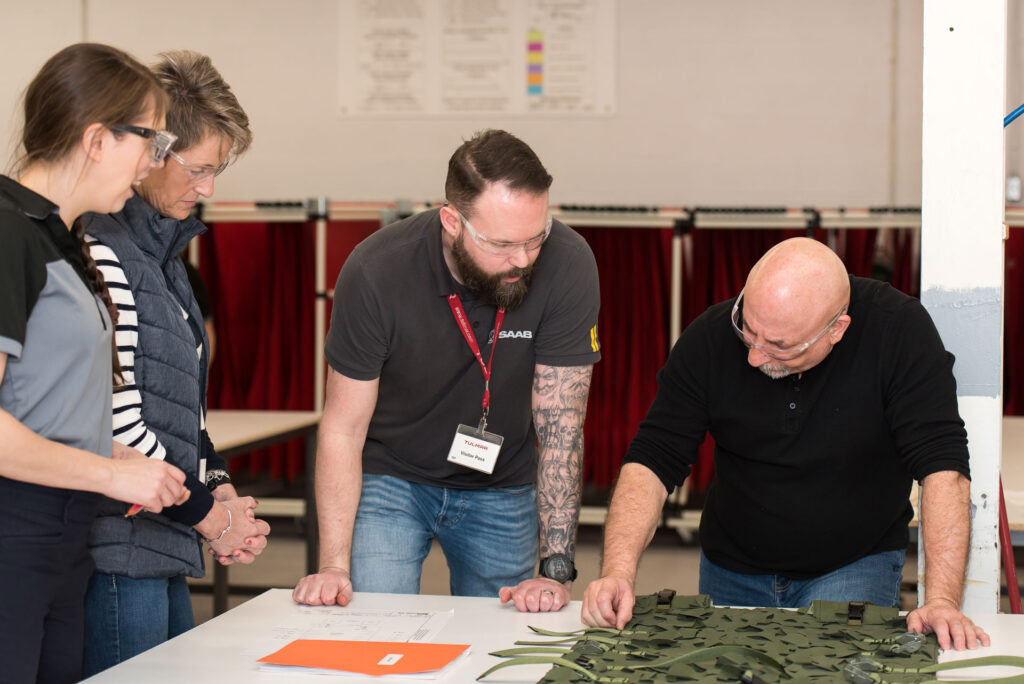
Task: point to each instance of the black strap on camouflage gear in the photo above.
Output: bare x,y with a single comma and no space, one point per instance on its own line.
855,613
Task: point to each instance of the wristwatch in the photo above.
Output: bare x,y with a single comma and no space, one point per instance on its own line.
216,478
558,567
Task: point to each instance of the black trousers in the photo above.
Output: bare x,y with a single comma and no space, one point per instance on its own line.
44,570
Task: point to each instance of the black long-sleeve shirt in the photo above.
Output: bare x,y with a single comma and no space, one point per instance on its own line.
813,471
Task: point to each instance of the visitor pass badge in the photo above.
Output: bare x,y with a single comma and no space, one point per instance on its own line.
475,448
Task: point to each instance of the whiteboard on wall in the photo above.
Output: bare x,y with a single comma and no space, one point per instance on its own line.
793,102
476,58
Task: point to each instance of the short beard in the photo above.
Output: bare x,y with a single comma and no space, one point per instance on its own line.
774,372
491,289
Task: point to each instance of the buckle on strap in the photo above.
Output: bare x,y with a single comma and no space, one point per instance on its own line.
855,613
584,662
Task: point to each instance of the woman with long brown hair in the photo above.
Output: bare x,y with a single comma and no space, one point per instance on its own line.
91,130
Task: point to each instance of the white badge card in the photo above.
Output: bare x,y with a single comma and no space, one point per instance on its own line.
475,448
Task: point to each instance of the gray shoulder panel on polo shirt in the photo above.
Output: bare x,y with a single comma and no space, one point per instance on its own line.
59,383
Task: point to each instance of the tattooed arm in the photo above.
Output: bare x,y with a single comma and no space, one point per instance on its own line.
559,407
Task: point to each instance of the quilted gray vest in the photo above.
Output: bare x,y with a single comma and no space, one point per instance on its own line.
171,378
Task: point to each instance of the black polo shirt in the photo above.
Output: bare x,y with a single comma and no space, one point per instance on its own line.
391,320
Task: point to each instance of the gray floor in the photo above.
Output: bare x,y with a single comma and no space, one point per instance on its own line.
667,563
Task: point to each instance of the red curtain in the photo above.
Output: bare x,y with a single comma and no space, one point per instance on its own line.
342,238
857,250
634,267
260,278
906,262
1013,327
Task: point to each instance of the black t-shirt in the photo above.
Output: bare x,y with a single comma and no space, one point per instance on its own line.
812,472
391,320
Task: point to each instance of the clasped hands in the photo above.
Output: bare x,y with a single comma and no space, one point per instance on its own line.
248,535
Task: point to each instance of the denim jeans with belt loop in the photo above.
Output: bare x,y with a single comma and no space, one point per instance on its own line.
875,578
489,536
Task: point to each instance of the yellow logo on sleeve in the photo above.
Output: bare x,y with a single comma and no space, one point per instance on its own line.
594,344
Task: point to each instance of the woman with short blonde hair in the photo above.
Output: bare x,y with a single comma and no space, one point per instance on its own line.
138,597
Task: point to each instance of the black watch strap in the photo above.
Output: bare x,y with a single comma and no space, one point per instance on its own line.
558,567
216,478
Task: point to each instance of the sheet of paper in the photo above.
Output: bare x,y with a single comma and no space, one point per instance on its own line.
353,624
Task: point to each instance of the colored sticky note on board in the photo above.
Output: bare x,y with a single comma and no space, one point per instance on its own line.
373,658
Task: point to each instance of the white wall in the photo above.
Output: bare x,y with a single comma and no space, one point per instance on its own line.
29,34
726,102
1015,86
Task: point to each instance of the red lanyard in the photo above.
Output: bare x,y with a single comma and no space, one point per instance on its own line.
460,318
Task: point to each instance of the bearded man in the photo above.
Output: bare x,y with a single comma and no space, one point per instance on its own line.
461,349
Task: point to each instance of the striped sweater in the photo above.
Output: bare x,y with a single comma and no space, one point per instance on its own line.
129,428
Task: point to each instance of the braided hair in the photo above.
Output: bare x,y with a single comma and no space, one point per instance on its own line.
99,287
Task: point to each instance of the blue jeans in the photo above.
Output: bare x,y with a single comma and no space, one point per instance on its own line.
874,578
126,616
489,536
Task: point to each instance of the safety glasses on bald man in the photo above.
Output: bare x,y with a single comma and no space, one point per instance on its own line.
777,353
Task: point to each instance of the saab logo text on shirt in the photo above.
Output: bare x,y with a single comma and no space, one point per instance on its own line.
511,335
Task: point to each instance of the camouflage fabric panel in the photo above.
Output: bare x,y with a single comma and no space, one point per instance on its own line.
684,639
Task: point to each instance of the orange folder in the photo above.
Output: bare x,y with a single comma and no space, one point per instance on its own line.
367,657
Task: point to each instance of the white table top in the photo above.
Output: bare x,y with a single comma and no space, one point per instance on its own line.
231,430
214,651
1012,470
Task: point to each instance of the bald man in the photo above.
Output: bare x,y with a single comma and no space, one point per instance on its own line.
826,394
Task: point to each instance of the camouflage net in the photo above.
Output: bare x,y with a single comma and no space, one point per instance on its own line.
684,639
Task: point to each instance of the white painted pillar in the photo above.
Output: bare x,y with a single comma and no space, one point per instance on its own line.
962,244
